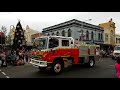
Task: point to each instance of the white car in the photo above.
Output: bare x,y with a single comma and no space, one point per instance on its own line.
116,52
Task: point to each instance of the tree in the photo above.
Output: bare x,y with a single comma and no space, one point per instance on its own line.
19,39
8,40
3,36
4,30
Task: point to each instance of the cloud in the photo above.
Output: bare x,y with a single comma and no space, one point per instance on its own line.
40,20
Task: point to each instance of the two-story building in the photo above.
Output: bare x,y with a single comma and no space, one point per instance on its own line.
79,30
109,34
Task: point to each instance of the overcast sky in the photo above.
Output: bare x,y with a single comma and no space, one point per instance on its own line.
40,20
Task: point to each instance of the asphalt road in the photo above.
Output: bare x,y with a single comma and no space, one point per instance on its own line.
102,69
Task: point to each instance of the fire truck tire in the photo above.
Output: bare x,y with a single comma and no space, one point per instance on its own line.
91,62
57,67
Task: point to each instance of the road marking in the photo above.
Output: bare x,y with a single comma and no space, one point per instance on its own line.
3,73
111,65
7,77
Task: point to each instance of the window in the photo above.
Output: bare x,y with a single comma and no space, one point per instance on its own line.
92,36
116,40
48,34
81,35
53,33
57,34
63,33
98,36
87,35
65,42
106,37
101,36
53,42
40,43
33,40
69,33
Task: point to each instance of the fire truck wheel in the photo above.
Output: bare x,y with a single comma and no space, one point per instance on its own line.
57,67
91,62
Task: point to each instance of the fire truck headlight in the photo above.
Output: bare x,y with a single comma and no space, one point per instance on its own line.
44,63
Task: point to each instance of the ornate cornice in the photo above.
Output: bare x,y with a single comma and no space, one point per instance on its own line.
72,22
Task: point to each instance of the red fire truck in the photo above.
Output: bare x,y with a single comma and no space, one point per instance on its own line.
56,53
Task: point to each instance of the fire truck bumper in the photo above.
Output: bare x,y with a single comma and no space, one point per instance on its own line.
38,63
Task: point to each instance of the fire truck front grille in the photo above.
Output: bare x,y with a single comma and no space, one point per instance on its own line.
36,57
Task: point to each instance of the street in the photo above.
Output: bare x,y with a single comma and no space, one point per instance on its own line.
103,69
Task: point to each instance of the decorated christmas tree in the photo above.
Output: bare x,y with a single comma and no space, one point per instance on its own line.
19,39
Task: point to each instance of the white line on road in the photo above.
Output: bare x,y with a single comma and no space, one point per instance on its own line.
7,77
3,73
111,65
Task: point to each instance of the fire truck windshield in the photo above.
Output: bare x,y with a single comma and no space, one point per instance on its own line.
40,43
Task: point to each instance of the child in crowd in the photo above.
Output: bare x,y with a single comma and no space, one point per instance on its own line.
13,57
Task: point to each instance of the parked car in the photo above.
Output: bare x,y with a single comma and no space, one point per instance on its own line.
116,52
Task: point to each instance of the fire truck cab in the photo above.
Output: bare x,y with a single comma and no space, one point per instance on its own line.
56,53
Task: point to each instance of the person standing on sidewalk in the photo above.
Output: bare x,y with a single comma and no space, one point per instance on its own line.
117,67
26,55
98,53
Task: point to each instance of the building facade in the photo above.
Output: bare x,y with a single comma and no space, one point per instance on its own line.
79,30
109,33
117,39
33,36
28,33
11,34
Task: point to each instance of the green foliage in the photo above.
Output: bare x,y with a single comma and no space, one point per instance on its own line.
4,30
